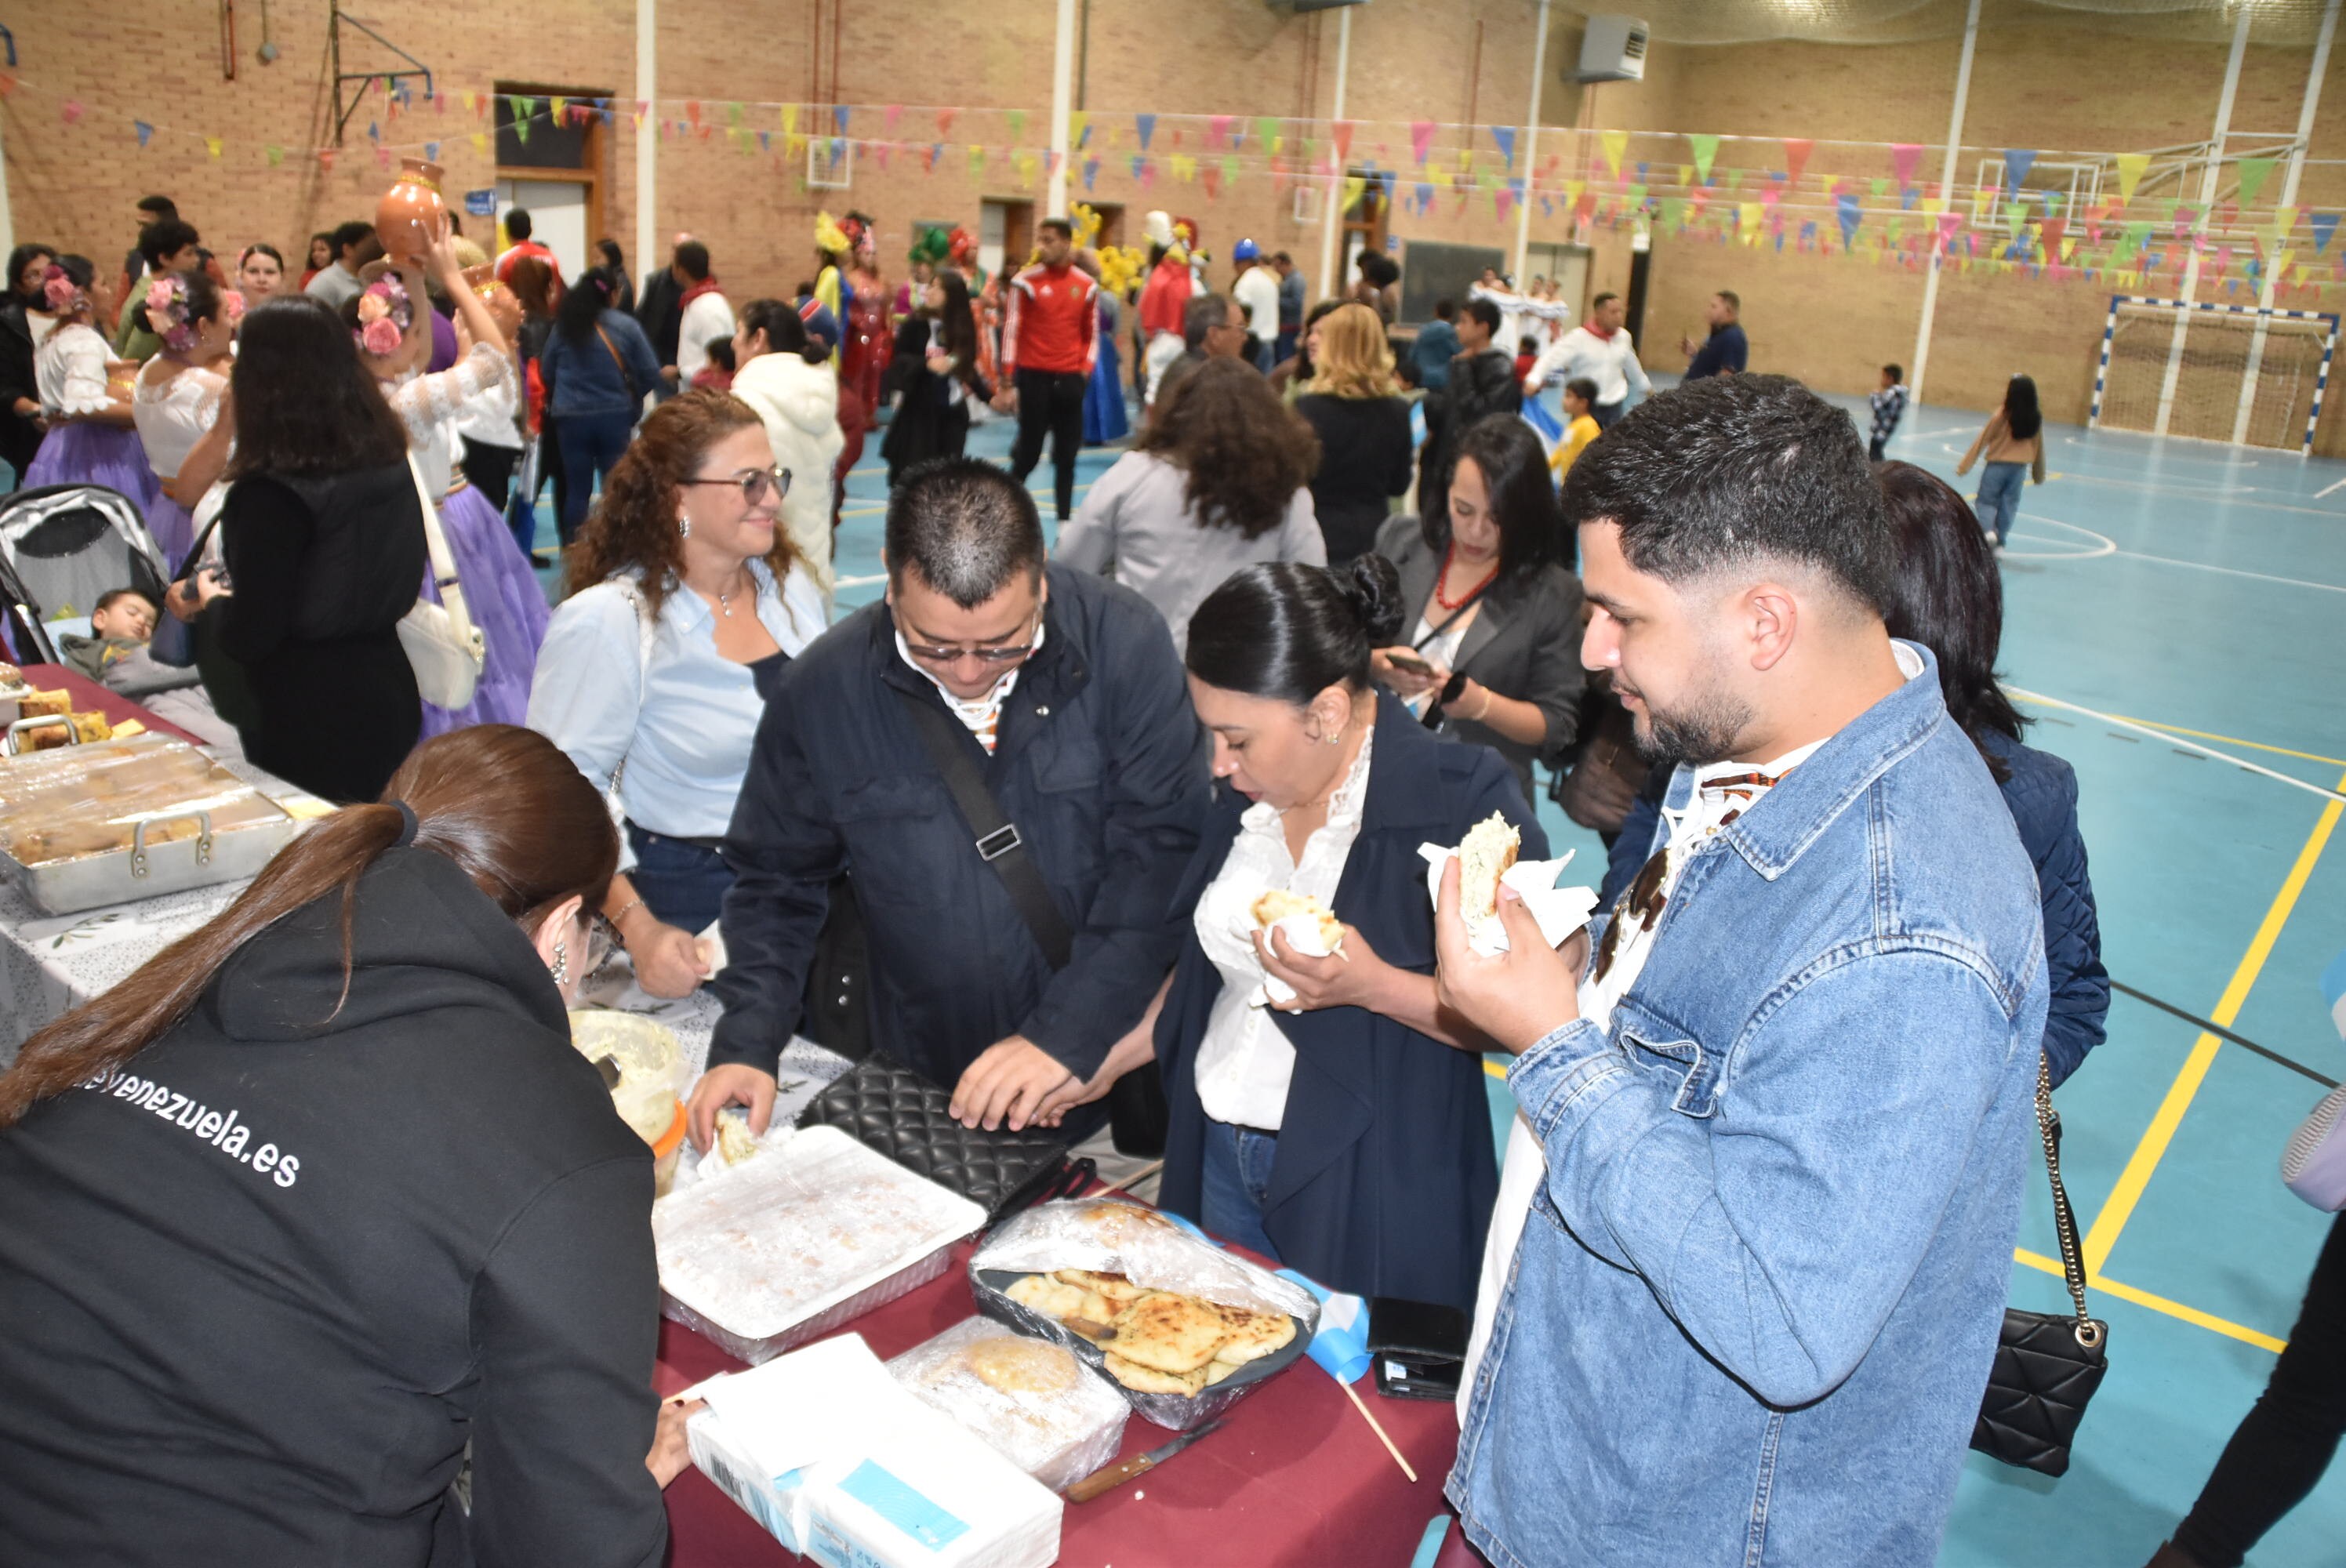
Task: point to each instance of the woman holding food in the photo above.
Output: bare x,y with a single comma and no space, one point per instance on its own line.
267,1272
688,599
1343,1129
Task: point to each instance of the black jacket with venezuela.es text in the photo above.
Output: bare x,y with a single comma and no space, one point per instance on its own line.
261,1286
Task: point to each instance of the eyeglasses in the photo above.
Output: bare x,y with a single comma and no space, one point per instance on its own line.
994,658
755,483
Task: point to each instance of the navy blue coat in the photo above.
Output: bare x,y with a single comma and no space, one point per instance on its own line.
1101,763
2042,795
1385,1174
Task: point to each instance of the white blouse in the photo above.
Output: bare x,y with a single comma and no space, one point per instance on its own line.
70,372
1245,1059
171,419
431,407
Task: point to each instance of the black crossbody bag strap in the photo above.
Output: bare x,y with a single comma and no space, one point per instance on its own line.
996,836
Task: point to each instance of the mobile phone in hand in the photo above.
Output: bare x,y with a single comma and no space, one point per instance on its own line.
1410,662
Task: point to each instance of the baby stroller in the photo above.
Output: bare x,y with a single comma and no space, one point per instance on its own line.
62,546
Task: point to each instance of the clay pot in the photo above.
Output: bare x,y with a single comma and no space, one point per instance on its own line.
410,217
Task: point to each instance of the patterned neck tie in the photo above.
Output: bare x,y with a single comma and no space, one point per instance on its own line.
1643,900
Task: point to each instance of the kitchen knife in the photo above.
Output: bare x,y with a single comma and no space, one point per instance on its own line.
1109,1478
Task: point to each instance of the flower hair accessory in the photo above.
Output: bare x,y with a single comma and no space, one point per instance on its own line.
385,313
60,290
166,312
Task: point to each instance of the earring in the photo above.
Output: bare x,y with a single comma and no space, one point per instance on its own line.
683,526
561,963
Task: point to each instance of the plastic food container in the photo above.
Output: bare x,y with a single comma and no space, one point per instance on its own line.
646,1054
812,1233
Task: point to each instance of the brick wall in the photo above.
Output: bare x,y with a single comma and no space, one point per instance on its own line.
2037,83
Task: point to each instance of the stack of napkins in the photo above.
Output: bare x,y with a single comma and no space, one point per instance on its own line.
841,1463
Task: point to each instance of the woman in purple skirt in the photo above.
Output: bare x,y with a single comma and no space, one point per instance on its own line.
90,440
502,594
177,397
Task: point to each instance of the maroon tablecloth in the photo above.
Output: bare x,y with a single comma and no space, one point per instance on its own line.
88,697
1295,1477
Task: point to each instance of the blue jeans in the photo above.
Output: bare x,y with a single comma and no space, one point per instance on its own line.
591,442
1999,496
682,883
1235,1180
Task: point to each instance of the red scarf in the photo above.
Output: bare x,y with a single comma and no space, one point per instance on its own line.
706,286
1602,334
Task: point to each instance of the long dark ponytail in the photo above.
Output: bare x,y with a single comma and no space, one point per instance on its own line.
503,803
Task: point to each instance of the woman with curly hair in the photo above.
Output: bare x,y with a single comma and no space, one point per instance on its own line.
1216,482
687,599
90,440
1362,424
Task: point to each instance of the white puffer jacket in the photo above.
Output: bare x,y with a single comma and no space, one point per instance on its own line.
800,403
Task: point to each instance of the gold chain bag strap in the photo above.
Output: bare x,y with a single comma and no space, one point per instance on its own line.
2047,1364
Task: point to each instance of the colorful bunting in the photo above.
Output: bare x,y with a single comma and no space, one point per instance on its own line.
1796,158
1505,136
1145,126
1706,149
1420,139
1617,147
2254,172
1343,132
2324,225
2017,162
1904,157
146,132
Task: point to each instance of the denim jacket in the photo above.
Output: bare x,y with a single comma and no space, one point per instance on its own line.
1752,1314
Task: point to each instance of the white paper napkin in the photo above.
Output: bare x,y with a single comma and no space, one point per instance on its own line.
1559,910
1303,936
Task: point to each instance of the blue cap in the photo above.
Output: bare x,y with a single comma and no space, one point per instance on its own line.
1245,250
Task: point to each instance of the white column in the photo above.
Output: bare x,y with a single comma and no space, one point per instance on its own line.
1331,216
1531,147
2288,199
1947,190
648,253
2209,180
1063,103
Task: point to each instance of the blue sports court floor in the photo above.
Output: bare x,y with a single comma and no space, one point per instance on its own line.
2198,593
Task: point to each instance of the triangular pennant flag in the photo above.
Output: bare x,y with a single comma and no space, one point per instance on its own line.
1354,186
1617,147
212,145
1796,158
1091,171
1213,178
146,132
977,161
1420,139
2130,168
888,118
2254,172
1505,136
2324,225
1266,131
2017,162
1850,216
945,123
1706,149
1144,127
1079,126
274,153
1905,156
1343,132
840,115
326,159
1017,119
561,112
1218,130
480,140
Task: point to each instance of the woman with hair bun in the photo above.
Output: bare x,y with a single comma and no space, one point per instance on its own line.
687,598
178,393
322,1197
1345,1132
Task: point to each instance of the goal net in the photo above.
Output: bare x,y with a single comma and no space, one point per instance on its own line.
2231,374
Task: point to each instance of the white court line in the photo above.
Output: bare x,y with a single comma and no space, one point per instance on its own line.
2233,572
859,582
2335,484
2108,547
2241,762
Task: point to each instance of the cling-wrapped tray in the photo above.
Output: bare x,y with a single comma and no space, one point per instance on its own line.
112,820
785,1248
1181,1328
1034,1403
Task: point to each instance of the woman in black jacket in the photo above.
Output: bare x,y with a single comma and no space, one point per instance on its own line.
322,1195
1362,423
1345,1131
1490,647
323,535
935,368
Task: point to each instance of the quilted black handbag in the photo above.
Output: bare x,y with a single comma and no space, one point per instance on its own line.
894,1111
2047,1365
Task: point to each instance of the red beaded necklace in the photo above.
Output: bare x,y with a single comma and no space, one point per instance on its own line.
1444,600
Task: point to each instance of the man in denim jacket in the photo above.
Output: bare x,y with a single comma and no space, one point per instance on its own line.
1785,1112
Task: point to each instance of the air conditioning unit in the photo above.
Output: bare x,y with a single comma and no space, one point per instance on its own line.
1613,49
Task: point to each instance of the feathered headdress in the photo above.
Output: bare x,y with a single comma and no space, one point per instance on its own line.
1120,268
962,245
932,248
1087,225
829,236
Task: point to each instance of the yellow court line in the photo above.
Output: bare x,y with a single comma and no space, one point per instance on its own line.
2104,1233
2206,735
2191,1315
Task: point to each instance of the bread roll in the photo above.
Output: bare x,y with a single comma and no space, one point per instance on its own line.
1021,1366
1170,1333
1143,1380
1489,848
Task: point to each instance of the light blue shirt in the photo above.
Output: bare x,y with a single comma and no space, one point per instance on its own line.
683,719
